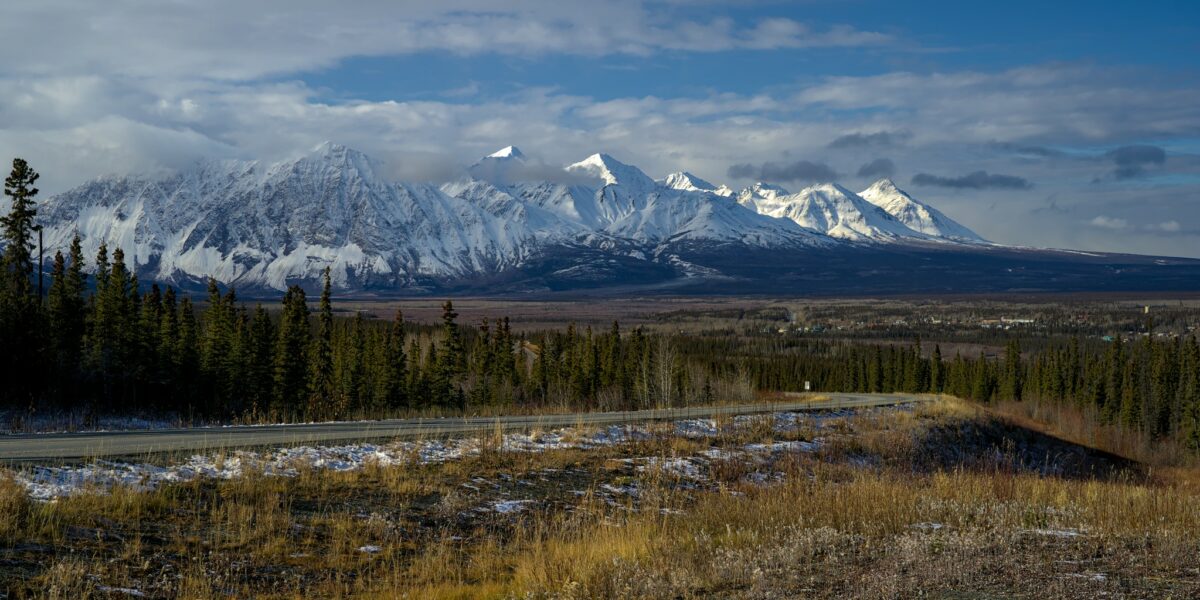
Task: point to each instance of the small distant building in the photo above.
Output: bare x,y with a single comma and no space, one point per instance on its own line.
1017,321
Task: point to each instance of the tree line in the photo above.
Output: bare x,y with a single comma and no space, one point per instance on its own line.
106,343
109,344
1151,384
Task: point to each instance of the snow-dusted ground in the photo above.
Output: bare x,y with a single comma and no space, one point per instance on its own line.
11,422
51,482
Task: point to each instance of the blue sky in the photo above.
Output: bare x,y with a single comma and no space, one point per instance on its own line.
1066,124
930,36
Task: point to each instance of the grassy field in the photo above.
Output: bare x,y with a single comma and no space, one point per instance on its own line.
945,500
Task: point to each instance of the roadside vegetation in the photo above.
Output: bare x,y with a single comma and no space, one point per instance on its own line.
946,498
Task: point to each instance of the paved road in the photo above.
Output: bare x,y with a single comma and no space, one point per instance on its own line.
77,446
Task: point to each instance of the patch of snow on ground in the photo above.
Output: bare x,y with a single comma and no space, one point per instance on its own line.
50,482
789,446
696,428
927,526
510,506
1088,576
19,422
120,590
1062,533
685,468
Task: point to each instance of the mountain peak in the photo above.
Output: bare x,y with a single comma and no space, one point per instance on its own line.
330,151
611,170
915,214
884,185
768,187
759,192
332,155
682,180
326,147
507,152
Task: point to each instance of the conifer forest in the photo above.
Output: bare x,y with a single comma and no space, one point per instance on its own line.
88,335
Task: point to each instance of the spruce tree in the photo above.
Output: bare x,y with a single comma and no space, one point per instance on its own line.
396,367
168,336
1114,363
320,378
936,370
20,308
67,310
1189,394
451,361
293,339
260,368
188,358
18,227
1011,387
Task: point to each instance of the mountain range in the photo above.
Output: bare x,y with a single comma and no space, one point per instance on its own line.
511,226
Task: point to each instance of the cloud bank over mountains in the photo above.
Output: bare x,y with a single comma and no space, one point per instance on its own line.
124,87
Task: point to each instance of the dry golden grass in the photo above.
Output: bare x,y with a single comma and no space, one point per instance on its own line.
881,511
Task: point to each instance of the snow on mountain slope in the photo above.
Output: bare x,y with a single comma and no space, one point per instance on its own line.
682,180
618,201
915,214
831,209
256,225
631,205
759,192
253,225
507,152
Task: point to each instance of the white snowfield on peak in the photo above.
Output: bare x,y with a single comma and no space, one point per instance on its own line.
252,224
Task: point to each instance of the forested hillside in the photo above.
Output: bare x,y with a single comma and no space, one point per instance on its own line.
96,339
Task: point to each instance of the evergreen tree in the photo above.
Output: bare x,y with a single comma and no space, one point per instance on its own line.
320,380
1189,394
67,314
936,370
169,365
395,370
18,229
451,361
1114,363
260,367
20,308
186,349
1012,386
293,339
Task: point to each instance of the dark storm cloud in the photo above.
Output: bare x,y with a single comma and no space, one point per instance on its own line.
882,139
1132,161
801,170
742,171
880,167
979,180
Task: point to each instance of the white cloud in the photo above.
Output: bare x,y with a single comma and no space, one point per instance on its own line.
237,40
1065,103
1109,222
126,85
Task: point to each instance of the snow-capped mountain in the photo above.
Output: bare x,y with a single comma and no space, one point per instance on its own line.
682,180
830,209
263,226
760,192
257,225
916,215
